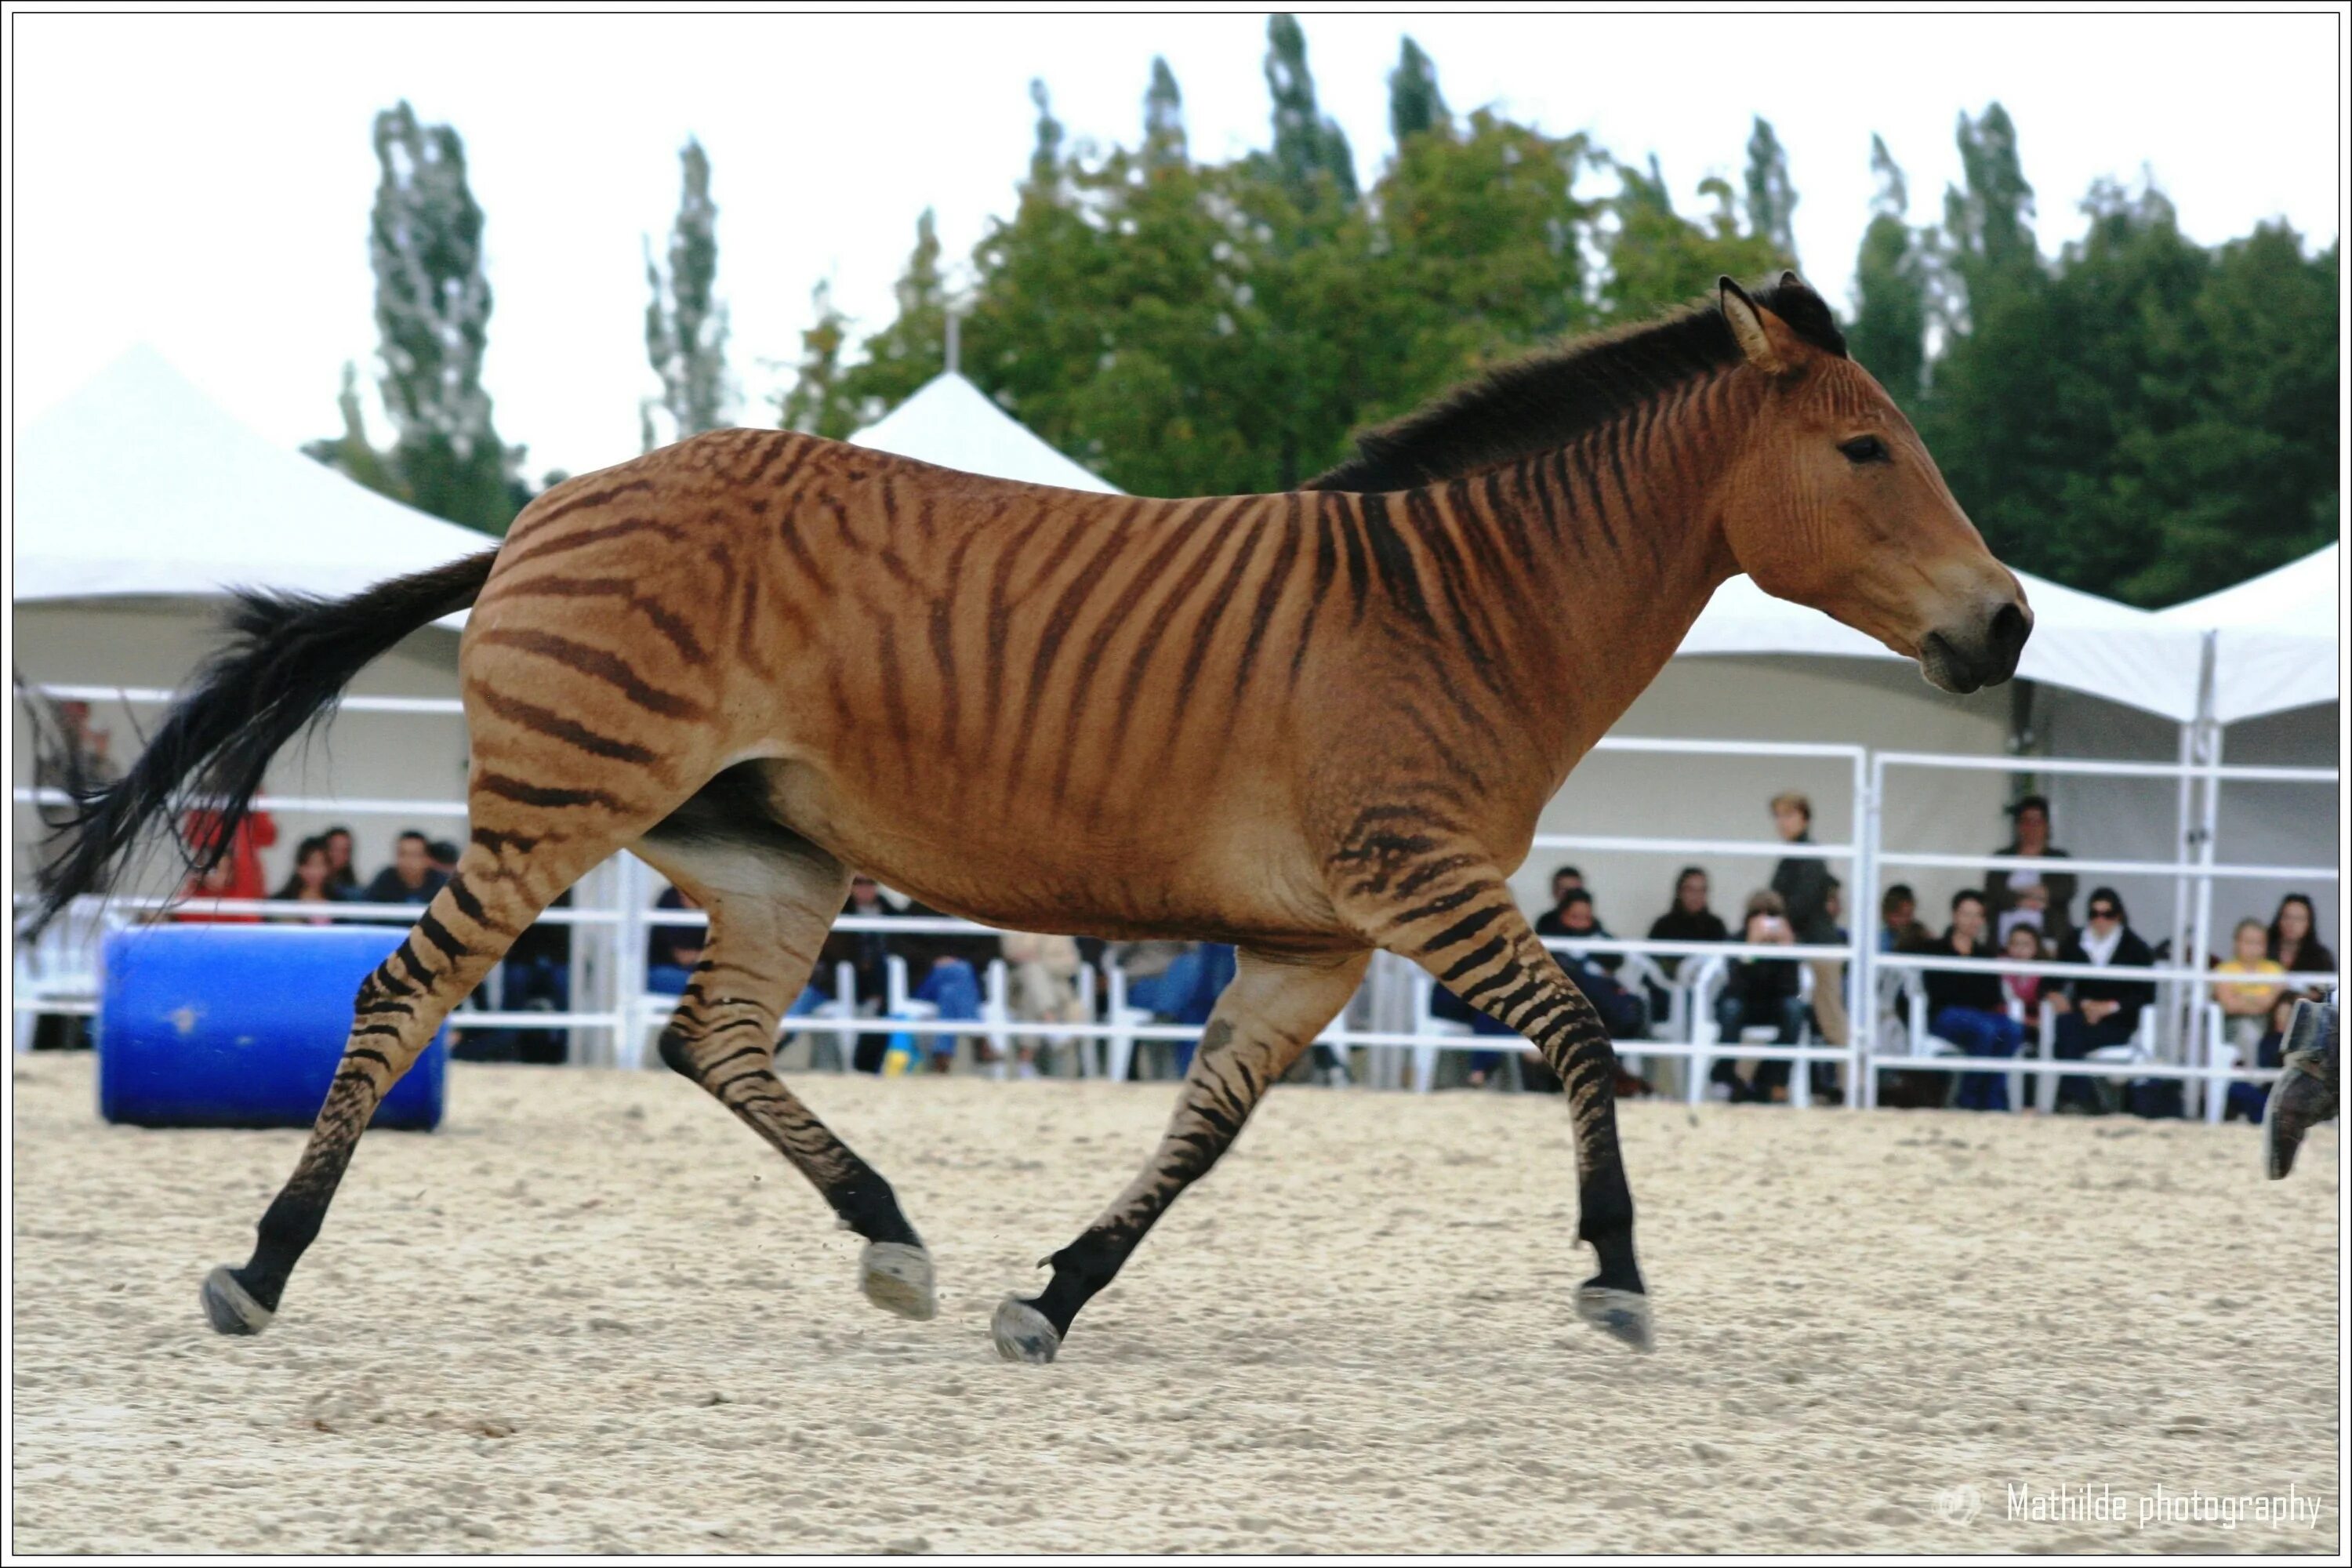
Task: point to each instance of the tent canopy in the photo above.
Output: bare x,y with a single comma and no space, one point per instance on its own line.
2080,641
952,423
2275,637
139,484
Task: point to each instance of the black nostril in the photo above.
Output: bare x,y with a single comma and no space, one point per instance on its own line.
2008,631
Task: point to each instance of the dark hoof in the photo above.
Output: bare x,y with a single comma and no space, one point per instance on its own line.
896,1278
231,1310
1620,1314
1021,1332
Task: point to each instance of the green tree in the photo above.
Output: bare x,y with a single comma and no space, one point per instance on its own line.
1889,334
814,404
686,326
1657,258
352,452
900,358
1163,120
432,313
1771,195
1308,149
1414,103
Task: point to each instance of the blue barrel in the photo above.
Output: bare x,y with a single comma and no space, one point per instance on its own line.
243,1025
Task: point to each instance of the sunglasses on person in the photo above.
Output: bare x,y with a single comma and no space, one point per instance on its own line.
2105,913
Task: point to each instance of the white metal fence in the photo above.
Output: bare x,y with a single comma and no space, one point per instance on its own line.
611,1013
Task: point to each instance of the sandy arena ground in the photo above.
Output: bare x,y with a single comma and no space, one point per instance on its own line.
594,1313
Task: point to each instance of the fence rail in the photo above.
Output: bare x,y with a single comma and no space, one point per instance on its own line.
616,921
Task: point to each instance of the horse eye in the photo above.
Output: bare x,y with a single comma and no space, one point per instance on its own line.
1864,449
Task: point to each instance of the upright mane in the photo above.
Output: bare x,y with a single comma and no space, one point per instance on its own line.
1545,400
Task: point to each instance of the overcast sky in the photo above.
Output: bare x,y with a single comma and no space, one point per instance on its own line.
204,182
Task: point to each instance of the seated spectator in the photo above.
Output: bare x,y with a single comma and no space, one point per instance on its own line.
2024,944
867,953
1759,993
2294,943
1621,1013
1689,920
339,860
2093,1014
443,852
2030,839
1899,929
312,881
2245,1007
2251,1100
1573,916
1564,881
238,874
410,879
1972,1010
673,950
1042,973
943,968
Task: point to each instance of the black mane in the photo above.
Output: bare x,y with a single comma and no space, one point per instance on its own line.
1546,400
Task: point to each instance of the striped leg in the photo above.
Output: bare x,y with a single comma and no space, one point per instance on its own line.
771,897
467,927
1267,1018
1474,939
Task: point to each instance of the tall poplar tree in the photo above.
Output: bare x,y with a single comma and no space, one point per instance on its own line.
686,325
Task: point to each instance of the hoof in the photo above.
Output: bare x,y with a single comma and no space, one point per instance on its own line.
1021,1332
1620,1314
232,1310
896,1278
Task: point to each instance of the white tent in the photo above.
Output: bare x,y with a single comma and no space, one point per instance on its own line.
139,484
2080,641
2275,637
138,501
952,423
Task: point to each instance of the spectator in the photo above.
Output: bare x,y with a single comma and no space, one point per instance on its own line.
312,881
2294,942
2030,839
2030,910
1564,881
410,879
2245,1007
1805,886
443,854
238,874
944,969
1689,919
673,950
2097,1013
867,953
1185,991
2251,1100
1621,1013
1972,1010
339,861
1759,992
1043,975
1573,916
537,978
1899,929
2024,944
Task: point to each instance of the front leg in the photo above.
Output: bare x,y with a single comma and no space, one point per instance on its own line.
1460,923
1268,1016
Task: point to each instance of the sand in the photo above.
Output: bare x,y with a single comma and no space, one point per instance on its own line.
593,1314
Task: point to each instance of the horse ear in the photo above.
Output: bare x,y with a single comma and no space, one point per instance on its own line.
1763,337
1790,280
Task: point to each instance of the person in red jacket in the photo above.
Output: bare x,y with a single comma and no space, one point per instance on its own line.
239,875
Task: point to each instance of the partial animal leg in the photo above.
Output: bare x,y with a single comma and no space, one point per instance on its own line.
1268,1015
1461,924
497,890
771,897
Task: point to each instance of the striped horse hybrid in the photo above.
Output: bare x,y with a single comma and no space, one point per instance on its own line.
1309,724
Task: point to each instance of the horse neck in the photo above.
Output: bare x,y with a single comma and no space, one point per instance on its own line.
1627,539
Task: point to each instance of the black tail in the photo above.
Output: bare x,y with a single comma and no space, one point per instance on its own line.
289,659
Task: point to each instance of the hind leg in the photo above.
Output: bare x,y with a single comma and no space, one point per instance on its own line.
771,897
1262,1022
497,890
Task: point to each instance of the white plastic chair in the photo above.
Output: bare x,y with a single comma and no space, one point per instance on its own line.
61,967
